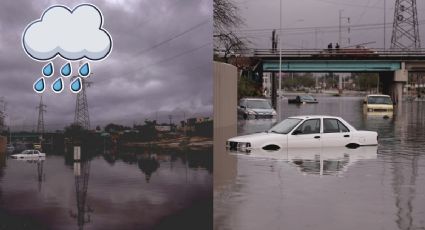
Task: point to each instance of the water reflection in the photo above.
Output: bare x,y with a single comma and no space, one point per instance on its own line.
322,161
148,164
82,175
114,189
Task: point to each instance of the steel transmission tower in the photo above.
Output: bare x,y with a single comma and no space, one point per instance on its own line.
405,34
41,109
81,106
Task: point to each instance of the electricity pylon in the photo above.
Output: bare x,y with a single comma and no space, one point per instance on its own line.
405,33
82,117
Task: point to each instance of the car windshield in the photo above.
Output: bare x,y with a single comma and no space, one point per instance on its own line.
285,126
27,152
258,104
307,98
379,100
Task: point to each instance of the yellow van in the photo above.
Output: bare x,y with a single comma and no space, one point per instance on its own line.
376,104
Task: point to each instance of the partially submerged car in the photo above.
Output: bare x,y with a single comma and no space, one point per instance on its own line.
305,132
377,104
303,99
29,154
255,108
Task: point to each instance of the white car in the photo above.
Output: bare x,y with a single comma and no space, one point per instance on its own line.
305,132
29,154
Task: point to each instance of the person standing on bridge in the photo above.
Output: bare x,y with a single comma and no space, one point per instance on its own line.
330,47
337,46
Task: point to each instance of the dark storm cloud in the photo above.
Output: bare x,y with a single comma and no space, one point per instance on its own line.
318,13
134,82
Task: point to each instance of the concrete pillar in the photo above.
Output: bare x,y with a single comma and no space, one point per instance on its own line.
392,83
225,121
340,84
400,78
274,93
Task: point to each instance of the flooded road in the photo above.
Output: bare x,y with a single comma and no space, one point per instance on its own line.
368,188
135,189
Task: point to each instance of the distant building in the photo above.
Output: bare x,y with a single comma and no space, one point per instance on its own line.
163,128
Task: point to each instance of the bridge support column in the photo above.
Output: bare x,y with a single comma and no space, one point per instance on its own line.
392,83
274,92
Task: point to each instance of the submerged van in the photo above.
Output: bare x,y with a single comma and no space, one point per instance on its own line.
378,104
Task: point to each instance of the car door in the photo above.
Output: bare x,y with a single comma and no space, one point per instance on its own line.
306,135
335,133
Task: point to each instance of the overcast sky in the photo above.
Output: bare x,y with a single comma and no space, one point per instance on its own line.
264,15
134,82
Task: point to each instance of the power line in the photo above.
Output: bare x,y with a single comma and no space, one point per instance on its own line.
169,58
172,37
313,27
349,4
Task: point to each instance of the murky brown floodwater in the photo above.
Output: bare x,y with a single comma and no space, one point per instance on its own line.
136,189
331,189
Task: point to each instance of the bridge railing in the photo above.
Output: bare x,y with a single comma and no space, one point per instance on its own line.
342,52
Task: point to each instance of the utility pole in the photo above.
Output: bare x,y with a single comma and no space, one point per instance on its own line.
385,24
405,35
272,77
41,109
340,87
280,53
170,117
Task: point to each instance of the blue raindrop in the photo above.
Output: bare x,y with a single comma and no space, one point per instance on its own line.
84,70
58,85
66,70
76,85
39,85
48,70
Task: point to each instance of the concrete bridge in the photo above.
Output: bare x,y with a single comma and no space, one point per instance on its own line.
392,66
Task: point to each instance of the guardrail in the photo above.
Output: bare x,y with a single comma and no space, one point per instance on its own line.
342,52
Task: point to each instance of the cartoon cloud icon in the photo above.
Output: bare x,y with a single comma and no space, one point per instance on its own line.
72,34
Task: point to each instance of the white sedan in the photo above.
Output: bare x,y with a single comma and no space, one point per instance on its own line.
29,154
305,132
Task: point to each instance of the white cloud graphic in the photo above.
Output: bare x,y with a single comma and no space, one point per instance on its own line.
72,34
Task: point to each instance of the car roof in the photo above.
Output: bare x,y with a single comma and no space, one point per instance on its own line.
314,116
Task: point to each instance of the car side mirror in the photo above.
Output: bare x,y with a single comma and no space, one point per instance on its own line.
296,132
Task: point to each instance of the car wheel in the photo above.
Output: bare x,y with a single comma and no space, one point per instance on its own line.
271,147
352,146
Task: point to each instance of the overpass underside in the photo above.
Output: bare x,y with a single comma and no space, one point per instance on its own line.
326,66
392,73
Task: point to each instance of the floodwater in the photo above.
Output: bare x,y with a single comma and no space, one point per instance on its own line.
135,189
379,187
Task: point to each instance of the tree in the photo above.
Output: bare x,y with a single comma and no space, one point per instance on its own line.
115,128
226,17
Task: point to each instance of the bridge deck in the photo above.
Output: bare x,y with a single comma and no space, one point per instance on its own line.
340,54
